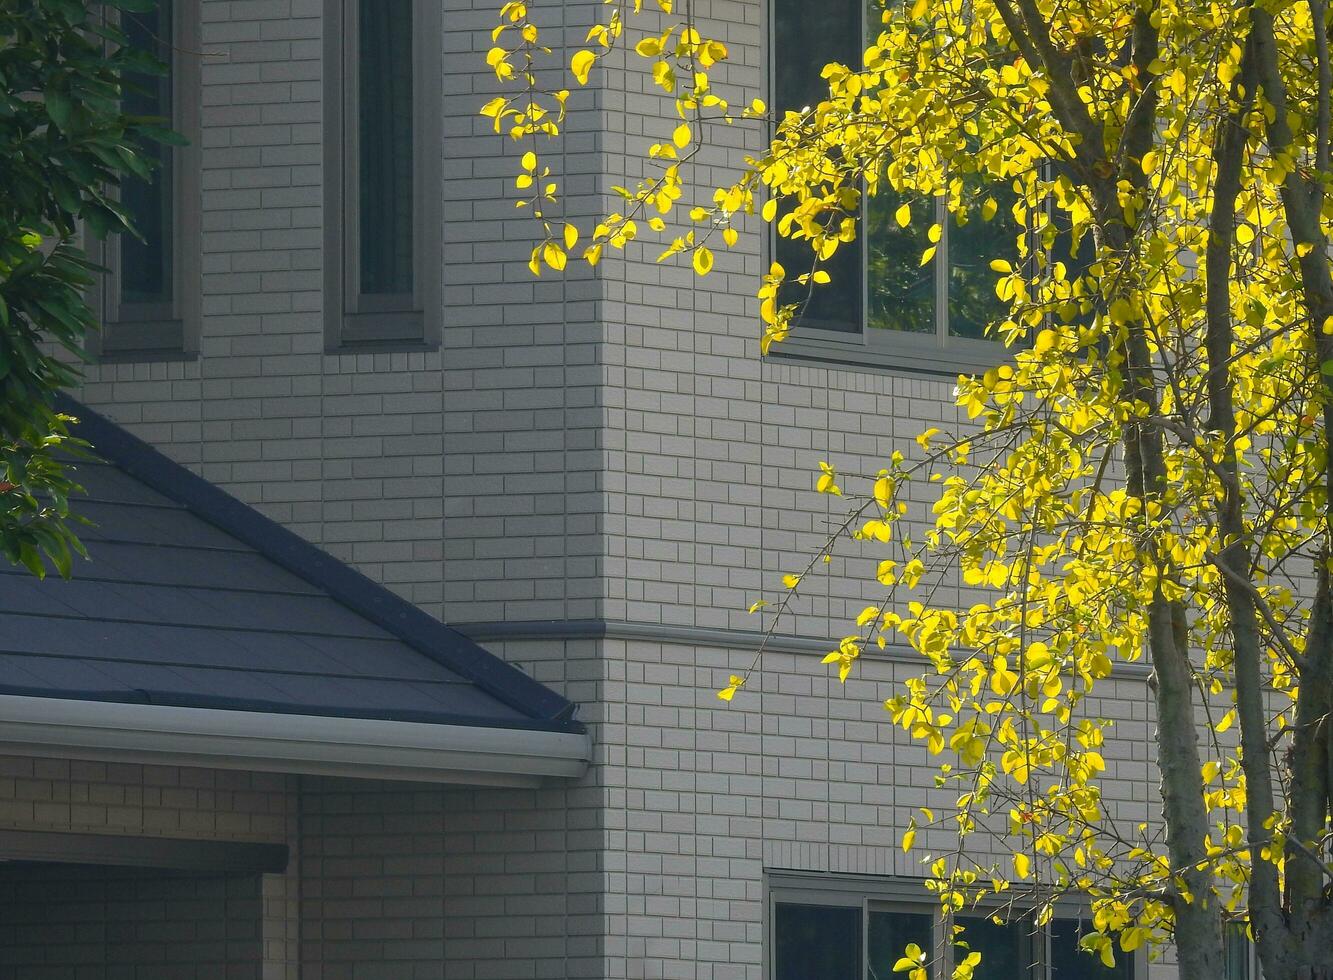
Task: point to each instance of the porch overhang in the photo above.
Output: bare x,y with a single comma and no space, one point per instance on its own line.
361,748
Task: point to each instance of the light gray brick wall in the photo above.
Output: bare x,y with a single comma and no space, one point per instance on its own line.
467,478
607,447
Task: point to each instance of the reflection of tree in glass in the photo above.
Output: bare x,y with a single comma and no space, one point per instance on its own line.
901,290
890,934
973,244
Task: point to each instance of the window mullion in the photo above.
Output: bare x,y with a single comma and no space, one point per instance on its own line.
941,268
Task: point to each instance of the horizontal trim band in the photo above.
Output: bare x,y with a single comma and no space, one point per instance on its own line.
129,851
704,636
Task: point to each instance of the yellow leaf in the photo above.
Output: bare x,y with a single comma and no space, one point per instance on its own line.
911,959
903,215
649,47
681,137
919,9
571,236
581,65
529,161
554,256
1022,864
730,236
883,491
1000,265
703,260
791,581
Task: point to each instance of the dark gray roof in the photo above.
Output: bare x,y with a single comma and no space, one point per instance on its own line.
194,599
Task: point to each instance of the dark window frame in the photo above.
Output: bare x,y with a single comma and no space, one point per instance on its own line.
163,331
901,894
353,320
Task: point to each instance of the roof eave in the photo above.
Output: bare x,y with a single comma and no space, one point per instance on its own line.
298,744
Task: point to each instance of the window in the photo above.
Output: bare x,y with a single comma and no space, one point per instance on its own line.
1242,956
883,305
823,928
383,242
149,301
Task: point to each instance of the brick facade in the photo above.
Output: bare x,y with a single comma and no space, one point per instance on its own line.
607,453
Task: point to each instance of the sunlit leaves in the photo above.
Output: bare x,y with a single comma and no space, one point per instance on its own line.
1013,562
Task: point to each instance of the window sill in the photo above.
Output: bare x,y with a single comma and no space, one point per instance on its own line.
123,341
380,331
906,354
389,346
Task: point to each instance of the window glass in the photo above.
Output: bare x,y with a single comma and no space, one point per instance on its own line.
888,934
384,98
1004,948
146,262
973,244
806,37
816,942
1238,951
901,289
1068,962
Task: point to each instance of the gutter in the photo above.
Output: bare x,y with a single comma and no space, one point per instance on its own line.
359,748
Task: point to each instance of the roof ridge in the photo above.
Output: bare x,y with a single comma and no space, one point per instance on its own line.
419,630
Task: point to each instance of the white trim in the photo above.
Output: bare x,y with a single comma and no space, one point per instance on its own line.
303,744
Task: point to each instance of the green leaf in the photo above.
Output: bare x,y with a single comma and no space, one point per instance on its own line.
60,109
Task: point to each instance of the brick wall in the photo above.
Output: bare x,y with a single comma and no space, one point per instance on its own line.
466,478
578,448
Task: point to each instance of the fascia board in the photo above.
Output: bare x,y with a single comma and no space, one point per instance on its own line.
300,744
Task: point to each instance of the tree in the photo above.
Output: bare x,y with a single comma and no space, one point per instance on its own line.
64,146
1148,473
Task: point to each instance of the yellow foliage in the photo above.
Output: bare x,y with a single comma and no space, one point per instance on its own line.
1076,501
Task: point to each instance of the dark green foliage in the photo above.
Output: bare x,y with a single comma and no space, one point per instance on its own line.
64,145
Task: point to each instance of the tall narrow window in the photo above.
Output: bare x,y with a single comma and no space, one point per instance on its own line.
807,36
383,259
151,294
145,260
883,305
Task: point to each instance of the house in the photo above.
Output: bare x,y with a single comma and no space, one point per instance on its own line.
336,411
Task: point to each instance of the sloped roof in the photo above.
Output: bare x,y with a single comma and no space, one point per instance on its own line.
193,599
